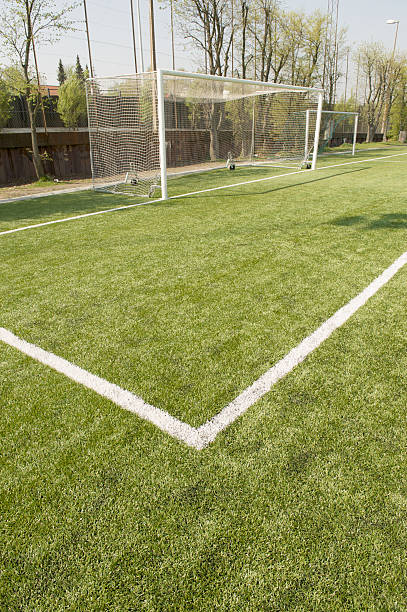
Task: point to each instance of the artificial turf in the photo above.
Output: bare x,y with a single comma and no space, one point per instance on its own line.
300,503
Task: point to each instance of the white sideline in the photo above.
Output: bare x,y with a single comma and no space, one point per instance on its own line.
184,195
202,436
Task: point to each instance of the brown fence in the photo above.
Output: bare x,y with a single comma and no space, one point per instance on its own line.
65,154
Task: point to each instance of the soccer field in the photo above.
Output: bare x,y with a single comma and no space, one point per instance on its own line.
293,498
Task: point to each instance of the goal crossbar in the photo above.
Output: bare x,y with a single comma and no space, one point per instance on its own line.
145,128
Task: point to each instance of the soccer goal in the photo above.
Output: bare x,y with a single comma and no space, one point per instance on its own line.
337,128
148,128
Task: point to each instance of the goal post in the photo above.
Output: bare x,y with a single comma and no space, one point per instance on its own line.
147,129
335,126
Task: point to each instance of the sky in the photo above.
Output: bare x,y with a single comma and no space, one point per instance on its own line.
111,39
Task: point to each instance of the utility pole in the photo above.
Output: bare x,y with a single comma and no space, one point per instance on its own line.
173,63
357,84
233,34
206,50
347,73
386,112
172,35
152,38
331,52
87,35
134,35
255,44
336,48
140,36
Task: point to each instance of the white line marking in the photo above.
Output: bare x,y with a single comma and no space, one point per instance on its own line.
202,436
184,195
262,385
119,396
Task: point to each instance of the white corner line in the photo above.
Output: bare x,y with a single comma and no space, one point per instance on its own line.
124,399
202,436
184,195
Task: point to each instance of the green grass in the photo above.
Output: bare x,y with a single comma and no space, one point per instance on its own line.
301,503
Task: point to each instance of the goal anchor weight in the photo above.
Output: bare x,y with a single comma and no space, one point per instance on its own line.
230,165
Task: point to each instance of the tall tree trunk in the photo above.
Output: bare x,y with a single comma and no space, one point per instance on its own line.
371,131
37,161
38,165
213,131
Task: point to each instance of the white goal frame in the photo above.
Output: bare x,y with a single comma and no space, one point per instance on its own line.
161,127
327,112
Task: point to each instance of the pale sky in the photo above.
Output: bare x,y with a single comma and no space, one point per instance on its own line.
110,30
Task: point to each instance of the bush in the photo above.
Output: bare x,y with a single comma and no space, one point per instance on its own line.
72,101
5,104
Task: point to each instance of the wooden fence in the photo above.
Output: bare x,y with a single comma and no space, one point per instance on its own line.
65,154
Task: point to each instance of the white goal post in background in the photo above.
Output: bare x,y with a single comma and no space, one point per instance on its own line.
334,125
147,128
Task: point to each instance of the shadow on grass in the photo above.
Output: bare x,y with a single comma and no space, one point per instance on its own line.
69,205
215,194
60,206
387,221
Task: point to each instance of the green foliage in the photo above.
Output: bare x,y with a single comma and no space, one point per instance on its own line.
398,115
72,101
79,70
5,103
350,105
61,73
18,84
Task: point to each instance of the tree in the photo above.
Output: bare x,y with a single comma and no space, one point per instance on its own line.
207,24
72,101
383,74
79,70
61,73
398,115
5,103
376,66
22,22
395,72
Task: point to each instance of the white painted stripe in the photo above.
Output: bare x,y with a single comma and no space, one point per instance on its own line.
200,437
192,193
119,396
262,385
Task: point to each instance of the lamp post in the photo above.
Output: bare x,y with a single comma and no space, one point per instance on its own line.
385,125
397,23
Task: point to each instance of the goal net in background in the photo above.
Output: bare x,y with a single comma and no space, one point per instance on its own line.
150,127
338,129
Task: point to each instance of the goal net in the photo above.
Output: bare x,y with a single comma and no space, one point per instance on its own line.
338,129
149,127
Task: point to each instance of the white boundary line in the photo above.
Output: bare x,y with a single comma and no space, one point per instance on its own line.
202,436
184,195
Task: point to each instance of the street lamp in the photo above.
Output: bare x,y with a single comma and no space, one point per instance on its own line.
387,105
393,22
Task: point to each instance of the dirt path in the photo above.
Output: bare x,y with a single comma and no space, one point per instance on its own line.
10,191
